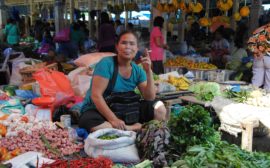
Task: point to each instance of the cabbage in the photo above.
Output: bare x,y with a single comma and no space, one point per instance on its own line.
205,91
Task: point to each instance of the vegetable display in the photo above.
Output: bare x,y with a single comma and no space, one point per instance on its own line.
258,98
205,91
238,96
52,143
223,155
100,162
152,142
193,126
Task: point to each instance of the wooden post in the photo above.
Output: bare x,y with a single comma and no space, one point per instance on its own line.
58,15
31,3
256,6
235,10
207,6
247,133
71,10
126,14
90,21
26,23
98,17
181,28
3,12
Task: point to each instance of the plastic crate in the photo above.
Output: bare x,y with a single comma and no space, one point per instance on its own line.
219,75
168,69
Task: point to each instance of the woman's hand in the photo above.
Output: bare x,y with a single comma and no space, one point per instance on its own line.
145,61
119,124
166,47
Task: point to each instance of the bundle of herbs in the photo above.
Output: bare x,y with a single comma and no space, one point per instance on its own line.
239,96
220,154
152,142
193,126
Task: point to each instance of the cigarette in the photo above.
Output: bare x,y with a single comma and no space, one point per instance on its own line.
149,51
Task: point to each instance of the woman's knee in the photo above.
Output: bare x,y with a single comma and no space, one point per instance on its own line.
160,111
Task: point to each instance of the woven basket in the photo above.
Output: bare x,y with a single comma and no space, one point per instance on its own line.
27,72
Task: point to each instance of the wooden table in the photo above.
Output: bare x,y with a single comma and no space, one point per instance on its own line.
247,125
192,99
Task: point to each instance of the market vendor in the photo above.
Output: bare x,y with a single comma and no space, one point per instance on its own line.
96,114
219,49
237,54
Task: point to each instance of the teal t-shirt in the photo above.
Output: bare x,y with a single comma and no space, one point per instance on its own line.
105,69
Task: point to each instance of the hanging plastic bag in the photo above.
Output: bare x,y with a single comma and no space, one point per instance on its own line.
54,84
62,36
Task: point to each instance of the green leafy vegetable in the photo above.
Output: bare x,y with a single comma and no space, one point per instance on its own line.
205,91
239,97
108,137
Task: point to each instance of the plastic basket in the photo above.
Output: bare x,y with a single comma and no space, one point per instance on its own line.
27,72
168,69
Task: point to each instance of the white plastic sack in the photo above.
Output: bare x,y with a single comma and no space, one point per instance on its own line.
41,114
17,64
80,80
122,149
231,114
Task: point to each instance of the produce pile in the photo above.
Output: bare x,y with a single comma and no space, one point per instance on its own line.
258,97
181,83
205,91
223,155
240,96
152,142
99,162
15,123
52,143
189,64
194,143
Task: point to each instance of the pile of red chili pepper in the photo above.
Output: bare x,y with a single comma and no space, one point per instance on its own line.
99,162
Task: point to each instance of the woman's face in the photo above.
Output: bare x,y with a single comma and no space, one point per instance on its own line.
127,46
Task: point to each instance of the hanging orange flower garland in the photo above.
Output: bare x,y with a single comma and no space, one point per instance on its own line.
224,5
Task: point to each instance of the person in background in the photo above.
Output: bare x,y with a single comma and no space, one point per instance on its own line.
119,27
95,112
38,30
12,32
71,49
238,52
106,34
219,49
157,45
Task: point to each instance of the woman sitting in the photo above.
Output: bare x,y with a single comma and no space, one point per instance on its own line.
237,53
96,114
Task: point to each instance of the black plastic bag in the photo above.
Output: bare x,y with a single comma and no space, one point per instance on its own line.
63,110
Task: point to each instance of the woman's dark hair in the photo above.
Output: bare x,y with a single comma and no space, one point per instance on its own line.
238,42
158,21
10,20
76,26
126,32
104,18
